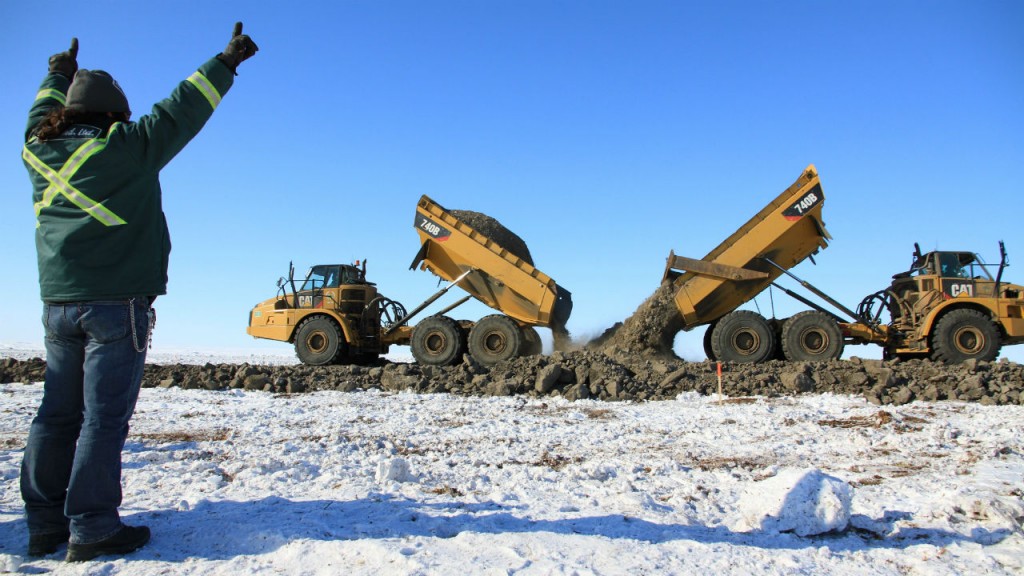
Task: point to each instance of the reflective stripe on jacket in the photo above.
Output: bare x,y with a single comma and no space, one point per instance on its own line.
100,229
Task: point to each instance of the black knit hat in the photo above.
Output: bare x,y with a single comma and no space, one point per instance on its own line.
96,91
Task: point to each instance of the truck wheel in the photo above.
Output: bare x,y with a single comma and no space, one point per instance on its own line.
532,345
319,341
707,341
437,341
965,334
812,336
743,336
495,338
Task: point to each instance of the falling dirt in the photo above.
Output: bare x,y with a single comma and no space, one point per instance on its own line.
561,339
650,331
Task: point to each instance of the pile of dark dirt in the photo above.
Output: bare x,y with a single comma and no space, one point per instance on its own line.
592,374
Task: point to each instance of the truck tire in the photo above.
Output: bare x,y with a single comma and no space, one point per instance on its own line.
319,341
743,336
812,336
532,345
965,334
495,338
708,351
437,341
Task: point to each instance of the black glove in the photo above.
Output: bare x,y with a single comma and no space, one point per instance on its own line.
239,49
66,62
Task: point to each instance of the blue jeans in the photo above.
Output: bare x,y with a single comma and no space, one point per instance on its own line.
71,473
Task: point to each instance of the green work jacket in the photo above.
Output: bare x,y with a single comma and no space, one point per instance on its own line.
100,227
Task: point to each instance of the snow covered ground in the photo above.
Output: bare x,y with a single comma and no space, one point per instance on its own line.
240,482
278,356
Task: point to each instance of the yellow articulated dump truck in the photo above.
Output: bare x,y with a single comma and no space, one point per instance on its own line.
334,315
503,278
948,306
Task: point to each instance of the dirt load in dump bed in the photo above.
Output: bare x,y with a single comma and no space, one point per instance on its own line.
498,233
494,230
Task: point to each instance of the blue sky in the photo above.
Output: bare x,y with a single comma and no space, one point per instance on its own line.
603,133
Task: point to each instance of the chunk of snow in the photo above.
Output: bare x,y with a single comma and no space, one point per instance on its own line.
804,501
394,470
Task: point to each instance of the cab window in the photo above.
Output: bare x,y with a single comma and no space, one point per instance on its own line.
352,275
949,265
321,277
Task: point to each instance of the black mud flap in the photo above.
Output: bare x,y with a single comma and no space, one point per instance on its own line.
563,307
420,255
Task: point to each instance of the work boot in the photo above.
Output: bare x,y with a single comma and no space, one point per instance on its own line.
127,539
45,544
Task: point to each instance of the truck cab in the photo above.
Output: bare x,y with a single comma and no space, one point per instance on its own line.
339,287
938,276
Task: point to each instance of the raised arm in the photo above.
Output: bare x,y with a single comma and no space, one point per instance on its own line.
174,121
54,88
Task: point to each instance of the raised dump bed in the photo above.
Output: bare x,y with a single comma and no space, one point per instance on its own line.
497,276
786,231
